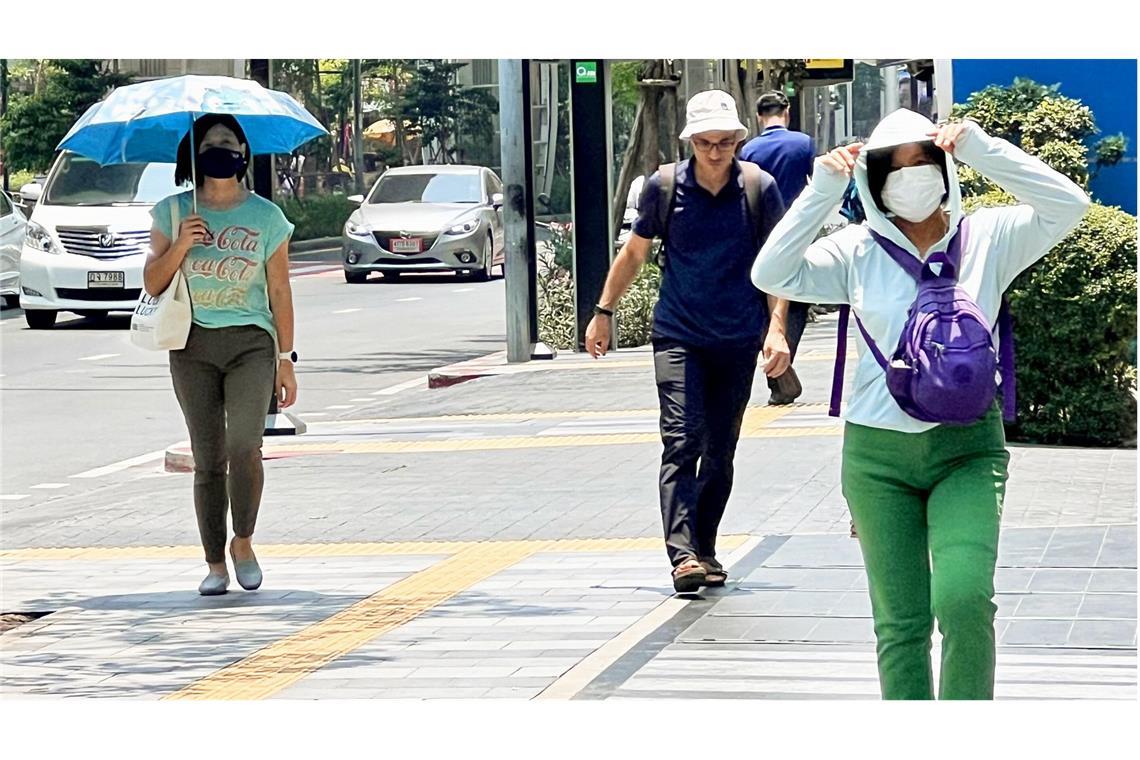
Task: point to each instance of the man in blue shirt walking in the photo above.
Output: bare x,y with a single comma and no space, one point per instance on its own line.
713,213
789,157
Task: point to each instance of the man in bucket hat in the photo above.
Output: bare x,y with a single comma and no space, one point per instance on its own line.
712,213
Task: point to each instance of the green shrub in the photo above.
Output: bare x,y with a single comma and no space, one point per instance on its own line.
1074,311
1075,323
556,326
318,216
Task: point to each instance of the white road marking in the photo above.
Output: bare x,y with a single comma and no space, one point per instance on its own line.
313,269
358,400
579,677
463,290
339,406
316,414
110,469
13,496
50,486
345,311
406,300
393,390
98,357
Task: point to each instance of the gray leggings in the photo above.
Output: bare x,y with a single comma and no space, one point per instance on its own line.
223,380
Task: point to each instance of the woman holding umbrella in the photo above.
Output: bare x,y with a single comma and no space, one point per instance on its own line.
232,247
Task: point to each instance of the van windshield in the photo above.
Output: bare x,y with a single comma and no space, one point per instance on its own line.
79,181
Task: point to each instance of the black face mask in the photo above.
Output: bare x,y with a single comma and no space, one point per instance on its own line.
220,163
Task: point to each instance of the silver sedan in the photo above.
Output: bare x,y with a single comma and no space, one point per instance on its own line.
427,219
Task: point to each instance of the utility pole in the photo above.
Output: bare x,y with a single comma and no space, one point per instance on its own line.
521,263
357,129
3,111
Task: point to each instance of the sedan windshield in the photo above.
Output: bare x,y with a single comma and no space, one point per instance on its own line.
80,181
427,188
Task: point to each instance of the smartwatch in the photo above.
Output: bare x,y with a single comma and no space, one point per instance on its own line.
290,355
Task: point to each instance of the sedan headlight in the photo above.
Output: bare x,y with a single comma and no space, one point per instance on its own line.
463,227
358,229
37,237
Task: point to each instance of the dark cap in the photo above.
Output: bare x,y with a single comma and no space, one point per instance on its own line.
772,101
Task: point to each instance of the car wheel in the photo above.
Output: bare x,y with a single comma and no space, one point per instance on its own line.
355,278
40,319
390,275
485,274
12,300
95,315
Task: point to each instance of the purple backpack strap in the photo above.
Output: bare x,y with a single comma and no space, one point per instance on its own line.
841,356
1005,363
840,361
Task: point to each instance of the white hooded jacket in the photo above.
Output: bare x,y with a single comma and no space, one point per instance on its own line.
849,267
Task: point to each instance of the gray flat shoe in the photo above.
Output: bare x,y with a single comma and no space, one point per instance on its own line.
214,585
248,574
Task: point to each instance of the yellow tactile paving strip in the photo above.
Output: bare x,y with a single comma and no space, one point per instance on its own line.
755,425
284,662
397,548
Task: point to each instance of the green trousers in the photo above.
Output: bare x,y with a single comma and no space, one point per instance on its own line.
927,507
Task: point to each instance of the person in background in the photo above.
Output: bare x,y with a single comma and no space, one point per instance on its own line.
788,156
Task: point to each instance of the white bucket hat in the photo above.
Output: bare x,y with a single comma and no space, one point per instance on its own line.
712,111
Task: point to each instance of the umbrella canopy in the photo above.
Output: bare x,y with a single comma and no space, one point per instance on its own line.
146,121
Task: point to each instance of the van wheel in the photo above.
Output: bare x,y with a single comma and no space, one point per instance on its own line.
12,301
39,319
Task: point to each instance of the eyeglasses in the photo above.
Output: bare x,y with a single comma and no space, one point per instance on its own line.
704,146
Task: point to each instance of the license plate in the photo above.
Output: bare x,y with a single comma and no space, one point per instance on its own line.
106,280
407,245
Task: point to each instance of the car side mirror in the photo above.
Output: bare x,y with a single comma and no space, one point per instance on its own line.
357,199
30,193
497,200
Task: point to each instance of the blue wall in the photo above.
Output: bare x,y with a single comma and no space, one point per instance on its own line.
1107,86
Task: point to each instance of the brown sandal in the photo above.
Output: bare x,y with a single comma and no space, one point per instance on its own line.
714,572
688,576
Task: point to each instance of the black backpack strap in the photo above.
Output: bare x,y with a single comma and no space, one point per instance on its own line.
667,174
752,186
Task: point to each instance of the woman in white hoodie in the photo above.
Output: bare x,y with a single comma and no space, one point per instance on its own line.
925,497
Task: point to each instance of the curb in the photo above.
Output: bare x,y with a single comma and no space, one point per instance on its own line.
496,364
178,459
316,244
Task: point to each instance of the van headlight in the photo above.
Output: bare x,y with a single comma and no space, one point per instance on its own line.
39,238
357,229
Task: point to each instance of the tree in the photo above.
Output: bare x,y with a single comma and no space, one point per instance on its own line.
36,123
440,108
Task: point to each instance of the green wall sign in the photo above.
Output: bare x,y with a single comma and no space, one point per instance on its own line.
586,72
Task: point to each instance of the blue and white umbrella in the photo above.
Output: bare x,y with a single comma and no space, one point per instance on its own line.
147,121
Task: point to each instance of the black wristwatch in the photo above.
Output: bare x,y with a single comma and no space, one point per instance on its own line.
290,355
599,310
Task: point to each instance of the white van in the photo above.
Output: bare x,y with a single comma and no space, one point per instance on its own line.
88,238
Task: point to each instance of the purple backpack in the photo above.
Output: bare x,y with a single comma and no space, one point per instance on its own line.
945,368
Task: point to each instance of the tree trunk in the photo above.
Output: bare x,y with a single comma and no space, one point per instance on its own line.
629,166
642,155
751,97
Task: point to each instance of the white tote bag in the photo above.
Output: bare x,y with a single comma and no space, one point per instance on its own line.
162,322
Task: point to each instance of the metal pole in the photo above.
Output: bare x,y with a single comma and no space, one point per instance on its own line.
357,129
518,207
3,111
592,182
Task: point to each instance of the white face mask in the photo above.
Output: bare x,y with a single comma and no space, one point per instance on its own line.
914,192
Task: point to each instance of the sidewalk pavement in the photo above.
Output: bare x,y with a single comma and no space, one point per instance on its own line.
501,538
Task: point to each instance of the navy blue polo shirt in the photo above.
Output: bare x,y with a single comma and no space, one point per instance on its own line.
787,155
707,297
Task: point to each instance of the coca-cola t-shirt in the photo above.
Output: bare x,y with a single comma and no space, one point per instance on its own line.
226,273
